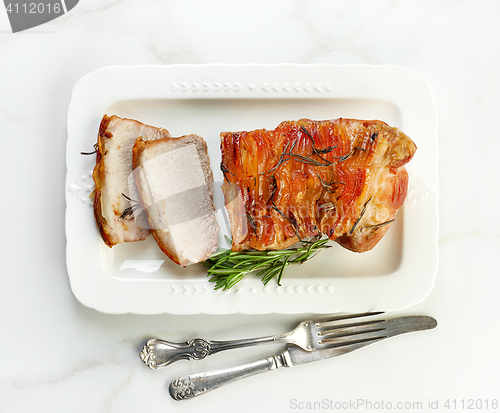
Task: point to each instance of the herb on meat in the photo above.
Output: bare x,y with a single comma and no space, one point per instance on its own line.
360,216
90,153
131,209
377,226
224,170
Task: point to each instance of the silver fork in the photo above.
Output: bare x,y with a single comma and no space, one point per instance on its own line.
310,335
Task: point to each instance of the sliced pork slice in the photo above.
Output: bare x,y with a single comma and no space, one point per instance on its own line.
175,183
344,178
116,200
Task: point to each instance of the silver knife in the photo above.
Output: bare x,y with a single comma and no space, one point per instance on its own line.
187,387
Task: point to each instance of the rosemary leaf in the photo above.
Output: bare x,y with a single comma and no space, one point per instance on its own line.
272,273
96,148
280,273
222,271
361,216
376,226
234,279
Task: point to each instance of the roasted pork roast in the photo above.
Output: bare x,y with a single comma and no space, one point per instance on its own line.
344,178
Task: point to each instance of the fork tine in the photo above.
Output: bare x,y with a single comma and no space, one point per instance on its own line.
325,320
334,334
335,344
338,335
348,328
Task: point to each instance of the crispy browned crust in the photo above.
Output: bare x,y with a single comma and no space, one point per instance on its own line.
307,178
368,238
98,176
137,150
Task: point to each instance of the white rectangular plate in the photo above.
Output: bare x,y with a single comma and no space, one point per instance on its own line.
208,99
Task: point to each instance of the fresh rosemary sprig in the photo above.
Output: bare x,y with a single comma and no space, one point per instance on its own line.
226,268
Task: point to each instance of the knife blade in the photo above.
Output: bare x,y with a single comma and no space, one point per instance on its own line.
189,386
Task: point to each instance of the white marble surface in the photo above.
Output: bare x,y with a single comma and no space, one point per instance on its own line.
59,356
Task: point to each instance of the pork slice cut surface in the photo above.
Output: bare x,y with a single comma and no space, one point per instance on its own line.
175,183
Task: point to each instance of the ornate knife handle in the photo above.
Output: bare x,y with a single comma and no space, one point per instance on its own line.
187,387
160,353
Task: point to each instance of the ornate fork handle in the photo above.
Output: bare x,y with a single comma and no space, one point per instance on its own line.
160,353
